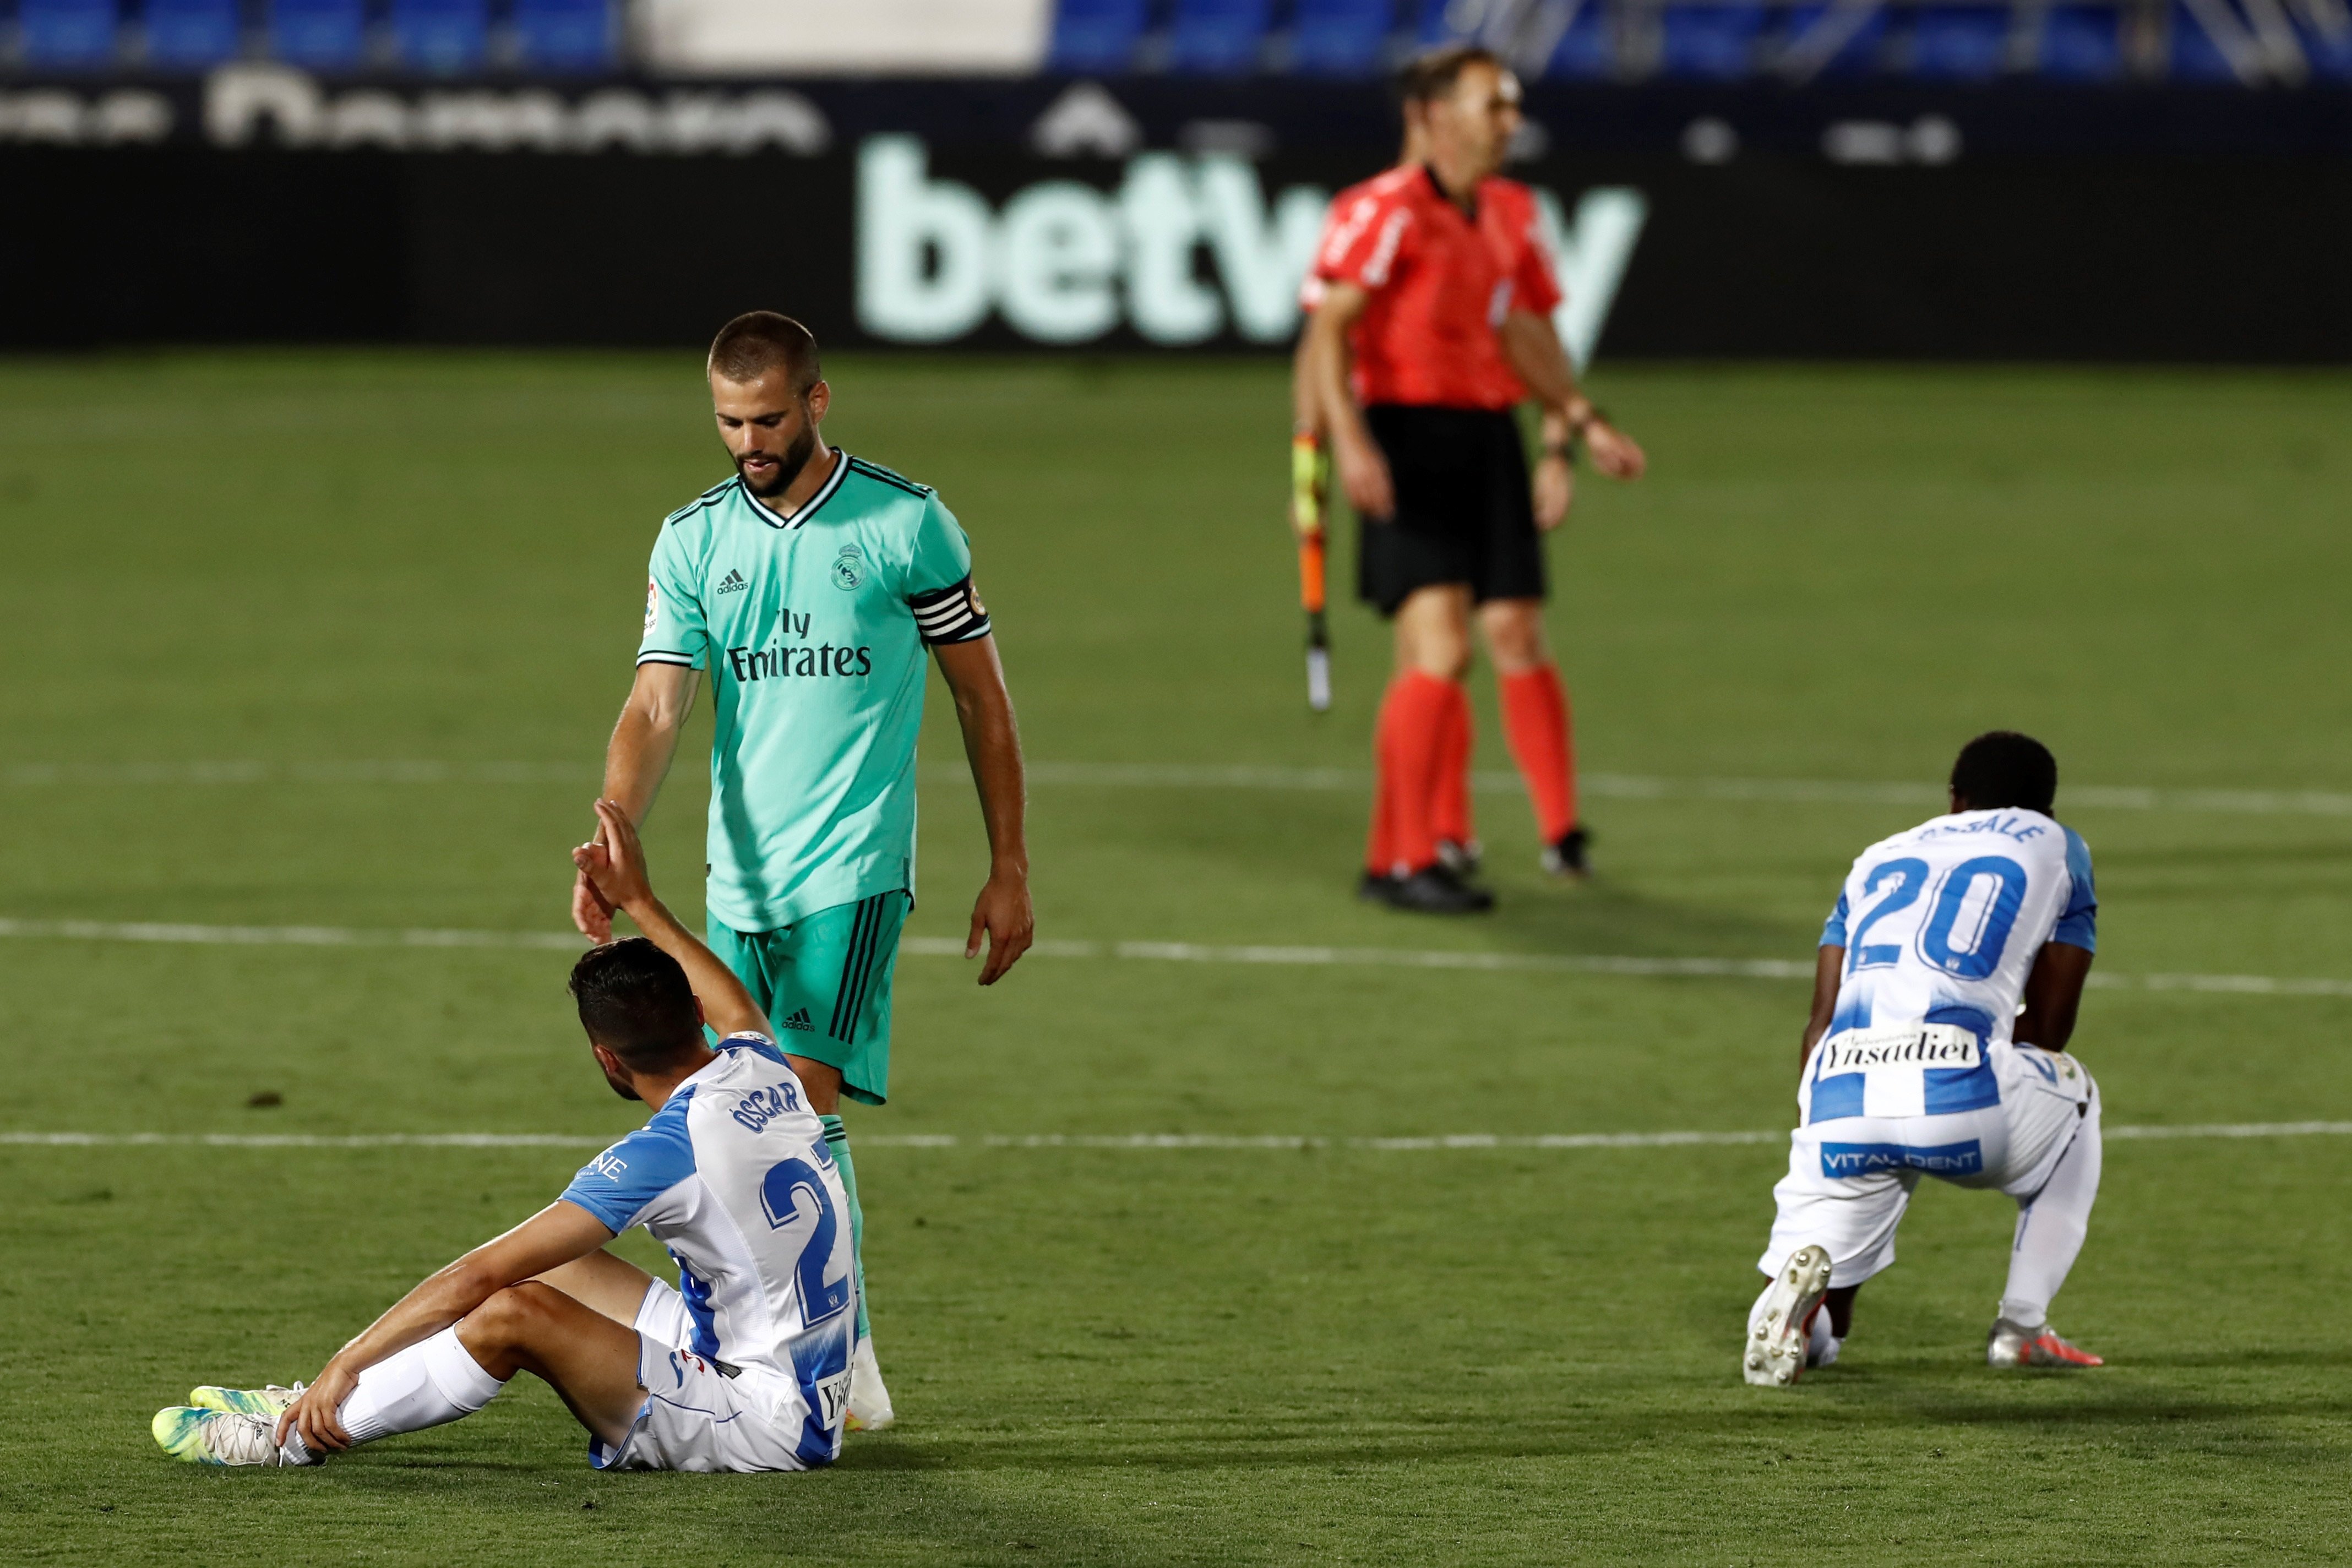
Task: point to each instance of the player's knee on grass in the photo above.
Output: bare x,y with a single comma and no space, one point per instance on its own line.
502,1332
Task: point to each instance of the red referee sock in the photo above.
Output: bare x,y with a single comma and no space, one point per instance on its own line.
1411,727
1379,842
1535,718
1449,808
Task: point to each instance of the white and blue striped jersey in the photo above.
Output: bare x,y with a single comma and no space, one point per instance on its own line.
732,1176
1941,926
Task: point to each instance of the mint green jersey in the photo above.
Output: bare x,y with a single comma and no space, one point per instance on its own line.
813,628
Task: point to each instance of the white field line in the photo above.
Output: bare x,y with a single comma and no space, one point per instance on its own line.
1137,1141
1143,952
1177,775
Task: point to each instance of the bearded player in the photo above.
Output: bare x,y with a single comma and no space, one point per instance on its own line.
810,586
1919,1060
1433,324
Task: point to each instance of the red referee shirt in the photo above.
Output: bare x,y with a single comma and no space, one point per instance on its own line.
1441,282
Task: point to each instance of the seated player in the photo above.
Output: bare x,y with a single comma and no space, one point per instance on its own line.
748,1370
1920,1060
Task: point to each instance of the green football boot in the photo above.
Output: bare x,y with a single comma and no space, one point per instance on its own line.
218,1438
272,1401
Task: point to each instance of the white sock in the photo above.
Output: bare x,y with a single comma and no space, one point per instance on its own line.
2050,1226
427,1384
1822,1347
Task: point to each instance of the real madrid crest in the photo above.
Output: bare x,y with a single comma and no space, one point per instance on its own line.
848,569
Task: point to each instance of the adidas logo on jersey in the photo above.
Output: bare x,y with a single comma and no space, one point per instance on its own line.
800,1021
732,582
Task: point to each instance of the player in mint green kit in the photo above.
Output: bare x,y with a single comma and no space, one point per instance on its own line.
809,588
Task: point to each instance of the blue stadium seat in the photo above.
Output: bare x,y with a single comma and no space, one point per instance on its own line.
2330,54
2081,43
1857,55
564,35
331,35
1587,50
1216,37
1960,43
1096,35
1340,37
1709,42
67,34
443,36
2195,56
190,35
1433,27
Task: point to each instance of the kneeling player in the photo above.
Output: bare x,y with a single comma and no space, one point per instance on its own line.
748,1369
1919,1060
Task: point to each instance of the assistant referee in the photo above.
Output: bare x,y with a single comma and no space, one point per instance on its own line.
1435,323
810,584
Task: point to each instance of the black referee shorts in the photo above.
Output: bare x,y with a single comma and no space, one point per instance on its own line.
1464,513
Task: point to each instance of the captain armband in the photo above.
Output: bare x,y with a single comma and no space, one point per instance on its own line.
951,615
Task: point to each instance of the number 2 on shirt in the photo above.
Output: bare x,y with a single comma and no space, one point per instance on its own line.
1910,875
780,1196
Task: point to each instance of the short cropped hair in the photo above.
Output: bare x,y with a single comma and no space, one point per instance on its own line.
757,342
635,1001
2002,768
1429,77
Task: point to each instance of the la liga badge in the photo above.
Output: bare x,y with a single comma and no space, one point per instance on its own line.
653,605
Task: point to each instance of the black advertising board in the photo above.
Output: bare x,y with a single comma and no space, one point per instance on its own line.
1051,216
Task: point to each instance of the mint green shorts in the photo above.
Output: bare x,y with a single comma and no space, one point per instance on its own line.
825,983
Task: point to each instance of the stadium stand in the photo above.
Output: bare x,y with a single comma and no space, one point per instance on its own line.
558,35
326,34
1217,37
2080,43
1709,42
68,35
1340,37
440,38
2244,43
1960,43
2327,44
192,34
1095,35
1587,50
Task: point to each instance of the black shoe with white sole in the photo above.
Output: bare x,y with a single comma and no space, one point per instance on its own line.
1460,855
1435,891
1568,858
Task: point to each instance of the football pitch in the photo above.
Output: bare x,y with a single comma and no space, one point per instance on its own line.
1243,1223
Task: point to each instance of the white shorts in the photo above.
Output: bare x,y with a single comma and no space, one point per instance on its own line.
1850,1178
697,1416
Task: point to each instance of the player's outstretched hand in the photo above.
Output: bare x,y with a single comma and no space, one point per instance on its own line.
1555,488
1002,911
317,1414
613,862
1364,475
589,912
1614,453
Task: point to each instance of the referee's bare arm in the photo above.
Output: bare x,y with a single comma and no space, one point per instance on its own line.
1363,472
992,745
1534,350
636,762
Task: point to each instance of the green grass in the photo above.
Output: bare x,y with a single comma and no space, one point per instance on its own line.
1145,1356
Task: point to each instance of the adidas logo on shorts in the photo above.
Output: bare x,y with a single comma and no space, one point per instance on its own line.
800,1020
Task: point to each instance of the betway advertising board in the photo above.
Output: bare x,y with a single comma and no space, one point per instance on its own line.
1175,252
261,204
